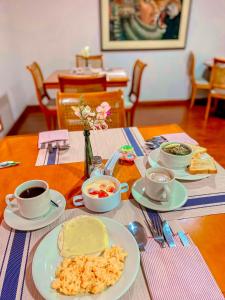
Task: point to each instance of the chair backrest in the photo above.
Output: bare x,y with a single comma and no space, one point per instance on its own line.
38,78
94,61
82,84
217,78
136,81
191,66
68,120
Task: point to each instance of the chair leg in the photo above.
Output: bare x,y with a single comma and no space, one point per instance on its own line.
54,118
208,106
132,117
48,122
193,95
128,118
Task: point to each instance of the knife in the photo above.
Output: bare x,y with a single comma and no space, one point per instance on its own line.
168,235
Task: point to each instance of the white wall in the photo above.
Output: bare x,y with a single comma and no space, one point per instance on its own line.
52,31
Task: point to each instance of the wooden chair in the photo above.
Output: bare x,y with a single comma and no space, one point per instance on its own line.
47,104
217,82
132,100
196,83
93,61
82,83
68,120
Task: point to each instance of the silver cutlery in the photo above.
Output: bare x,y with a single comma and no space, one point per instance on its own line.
9,163
54,203
155,227
139,233
50,148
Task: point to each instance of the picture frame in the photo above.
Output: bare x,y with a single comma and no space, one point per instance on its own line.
144,24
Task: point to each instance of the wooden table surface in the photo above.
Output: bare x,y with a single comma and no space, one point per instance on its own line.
51,82
208,232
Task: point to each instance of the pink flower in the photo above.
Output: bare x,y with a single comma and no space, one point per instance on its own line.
103,107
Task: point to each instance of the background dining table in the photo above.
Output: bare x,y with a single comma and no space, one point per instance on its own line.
207,232
52,82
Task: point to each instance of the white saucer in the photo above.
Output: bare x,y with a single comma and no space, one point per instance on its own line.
177,199
16,221
181,174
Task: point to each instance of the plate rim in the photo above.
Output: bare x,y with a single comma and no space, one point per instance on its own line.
164,210
134,274
60,212
186,178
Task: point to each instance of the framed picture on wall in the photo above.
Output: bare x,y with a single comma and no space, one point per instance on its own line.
144,24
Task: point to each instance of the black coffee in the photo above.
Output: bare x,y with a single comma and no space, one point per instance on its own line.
32,192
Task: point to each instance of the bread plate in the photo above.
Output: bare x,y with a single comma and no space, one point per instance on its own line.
180,174
47,258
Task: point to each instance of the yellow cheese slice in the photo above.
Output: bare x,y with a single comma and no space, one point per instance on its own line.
83,235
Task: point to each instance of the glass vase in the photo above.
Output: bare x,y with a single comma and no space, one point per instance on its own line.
88,154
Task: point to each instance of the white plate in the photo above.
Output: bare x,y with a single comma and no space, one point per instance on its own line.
16,221
177,199
47,258
181,174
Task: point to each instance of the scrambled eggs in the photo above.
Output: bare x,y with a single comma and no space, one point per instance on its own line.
89,274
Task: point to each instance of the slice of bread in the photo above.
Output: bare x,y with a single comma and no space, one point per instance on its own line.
202,165
197,150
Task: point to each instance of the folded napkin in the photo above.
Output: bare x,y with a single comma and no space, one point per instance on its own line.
117,73
53,136
180,138
178,273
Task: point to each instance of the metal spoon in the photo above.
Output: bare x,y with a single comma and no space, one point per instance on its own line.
139,233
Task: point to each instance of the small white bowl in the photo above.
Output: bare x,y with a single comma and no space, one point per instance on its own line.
173,161
101,204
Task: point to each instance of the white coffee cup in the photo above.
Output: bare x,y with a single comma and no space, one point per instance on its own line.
30,207
101,204
156,189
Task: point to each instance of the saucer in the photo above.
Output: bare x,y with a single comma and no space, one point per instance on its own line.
181,174
14,219
177,199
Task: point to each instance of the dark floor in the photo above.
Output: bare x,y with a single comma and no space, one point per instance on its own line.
210,135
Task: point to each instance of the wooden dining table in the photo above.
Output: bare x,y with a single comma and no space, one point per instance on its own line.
52,82
207,232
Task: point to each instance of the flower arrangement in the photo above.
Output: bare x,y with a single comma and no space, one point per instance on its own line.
93,119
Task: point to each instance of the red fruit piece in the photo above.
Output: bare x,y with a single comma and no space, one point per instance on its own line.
110,189
102,194
93,192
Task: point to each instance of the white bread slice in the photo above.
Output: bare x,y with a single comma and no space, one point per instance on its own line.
201,165
197,150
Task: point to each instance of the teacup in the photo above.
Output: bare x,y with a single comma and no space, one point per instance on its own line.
159,184
32,199
105,203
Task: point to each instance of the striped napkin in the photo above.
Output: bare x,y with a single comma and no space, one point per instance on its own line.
45,137
178,273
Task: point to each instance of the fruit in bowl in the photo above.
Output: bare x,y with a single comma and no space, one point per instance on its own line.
175,155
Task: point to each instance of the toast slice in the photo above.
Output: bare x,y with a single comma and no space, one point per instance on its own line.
200,165
197,150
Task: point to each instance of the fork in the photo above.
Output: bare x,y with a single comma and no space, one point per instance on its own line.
155,226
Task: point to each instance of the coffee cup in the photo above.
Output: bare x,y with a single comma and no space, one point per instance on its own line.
159,184
32,199
101,204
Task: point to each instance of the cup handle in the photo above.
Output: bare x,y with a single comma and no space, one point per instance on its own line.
166,192
8,199
76,202
124,187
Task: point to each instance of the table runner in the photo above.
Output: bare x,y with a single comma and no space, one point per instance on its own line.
104,143
18,248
